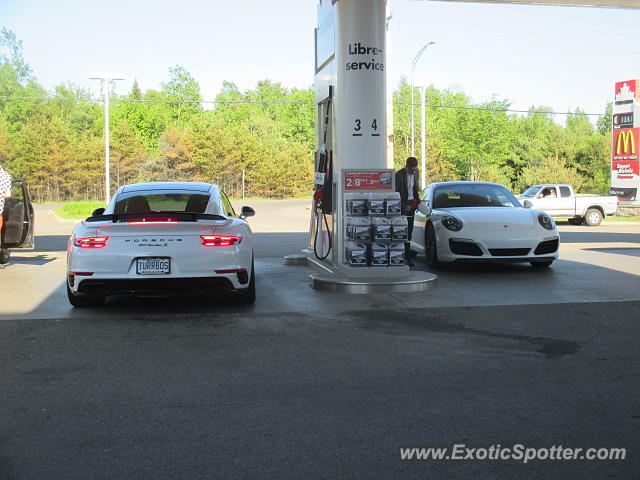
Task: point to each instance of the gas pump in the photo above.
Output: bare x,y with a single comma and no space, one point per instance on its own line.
323,190
357,230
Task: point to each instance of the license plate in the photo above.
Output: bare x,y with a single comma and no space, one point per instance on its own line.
153,266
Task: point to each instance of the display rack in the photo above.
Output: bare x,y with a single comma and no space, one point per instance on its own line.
375,231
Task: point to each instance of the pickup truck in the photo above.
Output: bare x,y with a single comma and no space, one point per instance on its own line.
560,201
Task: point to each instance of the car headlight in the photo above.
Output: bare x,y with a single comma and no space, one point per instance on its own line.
451,223
546,221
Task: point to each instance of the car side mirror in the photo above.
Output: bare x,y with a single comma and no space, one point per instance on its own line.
247,212
527,204
424,209
97,211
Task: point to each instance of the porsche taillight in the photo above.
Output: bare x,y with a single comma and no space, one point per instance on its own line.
219,240
90,242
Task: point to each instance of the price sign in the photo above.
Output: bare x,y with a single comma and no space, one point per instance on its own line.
368,180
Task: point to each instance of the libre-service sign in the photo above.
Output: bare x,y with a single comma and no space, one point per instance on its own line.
361,83
625,146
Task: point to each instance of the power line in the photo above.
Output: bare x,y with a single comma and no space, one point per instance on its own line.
504,110
96,101
454,107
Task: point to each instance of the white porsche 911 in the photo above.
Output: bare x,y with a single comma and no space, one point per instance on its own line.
162,238
481,221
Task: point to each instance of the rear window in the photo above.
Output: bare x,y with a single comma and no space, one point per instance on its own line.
154,201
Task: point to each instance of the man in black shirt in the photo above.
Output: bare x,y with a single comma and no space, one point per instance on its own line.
407,185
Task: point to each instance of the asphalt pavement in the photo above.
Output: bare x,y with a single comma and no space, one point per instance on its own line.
319,395
309,384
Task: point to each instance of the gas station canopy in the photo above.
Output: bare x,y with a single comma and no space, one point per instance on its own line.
570,3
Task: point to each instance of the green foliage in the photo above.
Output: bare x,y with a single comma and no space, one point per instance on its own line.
78,210
269,133
549,170
181,88
15,60
604,123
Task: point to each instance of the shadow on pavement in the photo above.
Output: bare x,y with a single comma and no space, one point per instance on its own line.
37,260
599,237
632,252
277,245
51,243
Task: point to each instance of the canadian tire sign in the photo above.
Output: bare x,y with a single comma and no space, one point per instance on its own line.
625,141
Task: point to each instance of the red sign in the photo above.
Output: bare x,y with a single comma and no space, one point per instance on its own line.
626,143
627,92
626,169
368,180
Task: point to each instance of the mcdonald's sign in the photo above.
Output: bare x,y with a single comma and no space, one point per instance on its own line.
626,142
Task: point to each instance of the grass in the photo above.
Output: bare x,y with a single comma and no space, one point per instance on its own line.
77,210
252,199
82,210
622,219
606,219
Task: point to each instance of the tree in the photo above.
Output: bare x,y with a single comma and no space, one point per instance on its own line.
10,42
149,119
136,93
128,154
549,170
182,88
604,123
269,131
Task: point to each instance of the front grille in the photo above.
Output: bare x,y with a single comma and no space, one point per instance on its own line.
548,246
509,252
464,248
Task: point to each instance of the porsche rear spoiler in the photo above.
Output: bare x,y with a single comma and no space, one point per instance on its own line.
158,216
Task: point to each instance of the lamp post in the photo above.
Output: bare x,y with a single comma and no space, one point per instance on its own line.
107,78
413,66
423,165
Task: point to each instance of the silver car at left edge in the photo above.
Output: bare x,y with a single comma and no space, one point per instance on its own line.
163,238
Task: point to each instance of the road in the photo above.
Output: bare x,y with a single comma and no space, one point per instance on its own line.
310,384
596,264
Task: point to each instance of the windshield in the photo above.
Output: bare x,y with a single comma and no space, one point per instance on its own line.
473,195
531,191
154,201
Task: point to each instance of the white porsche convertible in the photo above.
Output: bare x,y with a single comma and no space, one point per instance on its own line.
162,238
480,221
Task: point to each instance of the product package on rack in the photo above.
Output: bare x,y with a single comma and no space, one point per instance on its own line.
356,204
381,229
396,254
355,254
379,255
400,229
377,204
392,204
358,229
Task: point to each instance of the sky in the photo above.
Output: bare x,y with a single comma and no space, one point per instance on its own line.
561,57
